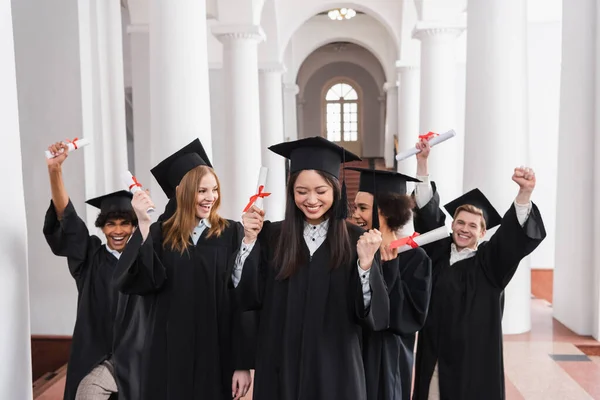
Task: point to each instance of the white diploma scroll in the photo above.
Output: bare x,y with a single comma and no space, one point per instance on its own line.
260,187
133,185
403,155
257,198
73,145
421,240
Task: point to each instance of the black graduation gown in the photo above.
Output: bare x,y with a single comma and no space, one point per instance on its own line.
463,332
185,305
389,355
92,267
309,342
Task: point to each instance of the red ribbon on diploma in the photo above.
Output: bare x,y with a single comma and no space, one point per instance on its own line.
135,183
428,135
74,141
260,194
409,240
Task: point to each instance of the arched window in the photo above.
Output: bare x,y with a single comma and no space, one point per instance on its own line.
342,112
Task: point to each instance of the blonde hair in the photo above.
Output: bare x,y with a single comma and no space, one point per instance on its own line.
471,209
177,229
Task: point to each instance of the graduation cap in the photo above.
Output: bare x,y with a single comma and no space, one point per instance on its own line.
477,199
169,172
380,181
319,154
116,201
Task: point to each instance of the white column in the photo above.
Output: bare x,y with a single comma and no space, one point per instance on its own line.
111,94
438,95
242,123
408,114
496,137
290,115
575,301
15,336
391,125
596,317
140,84
300,117
271,129
180,103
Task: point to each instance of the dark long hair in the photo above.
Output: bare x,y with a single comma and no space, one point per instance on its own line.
289,253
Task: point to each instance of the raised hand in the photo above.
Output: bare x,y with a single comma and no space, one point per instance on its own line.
252,220
367,246
141,202
424,147
61,151
525,178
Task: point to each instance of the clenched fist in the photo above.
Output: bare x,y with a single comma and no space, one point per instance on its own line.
252,220
141,202
367,246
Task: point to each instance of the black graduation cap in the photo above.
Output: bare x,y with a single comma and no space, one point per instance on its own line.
169,172
376,181
477,199
380,181
314,153
320,154
116,201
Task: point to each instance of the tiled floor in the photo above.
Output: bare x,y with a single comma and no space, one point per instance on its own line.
543,364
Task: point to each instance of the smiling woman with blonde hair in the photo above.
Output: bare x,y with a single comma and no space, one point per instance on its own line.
181,267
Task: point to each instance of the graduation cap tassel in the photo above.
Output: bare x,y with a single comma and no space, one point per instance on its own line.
375,222
375,217
342,210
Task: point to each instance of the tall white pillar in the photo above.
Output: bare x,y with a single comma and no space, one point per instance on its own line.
408,114
496,136
382,112
111,94
15,336
242,122
179,102
391,125
438,96
140,84
596,317
300,117
271,129
575,292
290,115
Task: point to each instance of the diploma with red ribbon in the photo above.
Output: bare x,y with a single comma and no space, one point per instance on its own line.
433,138
132,184
257,199
72,145
415,240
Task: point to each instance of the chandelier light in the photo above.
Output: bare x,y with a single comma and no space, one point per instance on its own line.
341,14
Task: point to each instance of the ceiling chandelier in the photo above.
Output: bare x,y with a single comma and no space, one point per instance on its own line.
341,14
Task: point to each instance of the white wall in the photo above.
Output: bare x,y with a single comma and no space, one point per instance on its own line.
544,52
362,30
49,92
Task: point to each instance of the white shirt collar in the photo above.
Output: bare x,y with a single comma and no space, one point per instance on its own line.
310,230
205,222
465,250
113,252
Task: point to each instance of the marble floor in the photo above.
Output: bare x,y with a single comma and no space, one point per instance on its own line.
547,363
543,364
